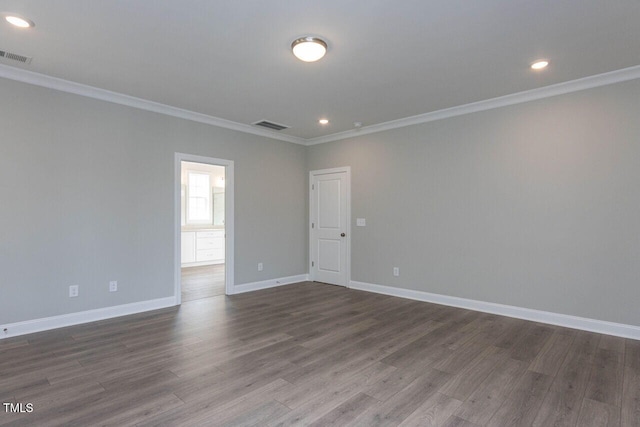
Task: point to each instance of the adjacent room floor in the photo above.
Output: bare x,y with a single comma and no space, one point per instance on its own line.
202,282
321,355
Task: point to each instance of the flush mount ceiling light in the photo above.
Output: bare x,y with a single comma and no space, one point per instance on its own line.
19,21
323,121
540,64
309,49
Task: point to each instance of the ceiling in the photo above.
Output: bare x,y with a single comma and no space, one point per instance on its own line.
386,60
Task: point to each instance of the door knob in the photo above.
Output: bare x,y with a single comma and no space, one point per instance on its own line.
342,234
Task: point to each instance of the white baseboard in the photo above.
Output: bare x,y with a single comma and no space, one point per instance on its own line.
574,322
47,323
272,283
201,263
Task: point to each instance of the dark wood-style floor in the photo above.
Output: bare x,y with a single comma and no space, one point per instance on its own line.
312,354
202,282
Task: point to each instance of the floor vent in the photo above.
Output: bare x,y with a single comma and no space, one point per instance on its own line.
15,57
270,125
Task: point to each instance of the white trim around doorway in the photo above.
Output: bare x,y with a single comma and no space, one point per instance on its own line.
228,220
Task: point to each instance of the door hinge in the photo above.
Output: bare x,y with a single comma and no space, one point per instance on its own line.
313,186
312,264
313,225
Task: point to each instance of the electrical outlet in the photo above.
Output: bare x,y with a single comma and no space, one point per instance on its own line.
113,286
396,271
260,266
361,222
73,291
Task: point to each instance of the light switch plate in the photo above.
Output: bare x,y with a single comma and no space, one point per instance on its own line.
361,222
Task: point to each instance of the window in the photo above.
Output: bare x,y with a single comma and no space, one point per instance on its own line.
199,201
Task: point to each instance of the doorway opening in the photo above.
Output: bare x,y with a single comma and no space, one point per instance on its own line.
204,211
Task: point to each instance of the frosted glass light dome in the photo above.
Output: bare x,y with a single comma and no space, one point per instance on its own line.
19,21
309,49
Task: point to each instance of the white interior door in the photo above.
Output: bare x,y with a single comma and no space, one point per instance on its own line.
329,236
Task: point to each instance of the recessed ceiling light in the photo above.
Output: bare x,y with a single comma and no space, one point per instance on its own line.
540,64
323,121
19,21
309,49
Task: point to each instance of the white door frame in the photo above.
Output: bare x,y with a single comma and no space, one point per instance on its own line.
347,170
228,220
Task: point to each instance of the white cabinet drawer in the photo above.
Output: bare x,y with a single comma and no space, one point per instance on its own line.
209,255
203,247
210,243
211,233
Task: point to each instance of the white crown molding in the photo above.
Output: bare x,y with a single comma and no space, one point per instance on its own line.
271,283
590,82
567,321
30,77
64,320
62,85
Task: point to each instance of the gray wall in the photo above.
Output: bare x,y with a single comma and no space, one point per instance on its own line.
535,205
87,196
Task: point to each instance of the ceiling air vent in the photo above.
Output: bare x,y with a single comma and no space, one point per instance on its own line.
15,57
270,125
